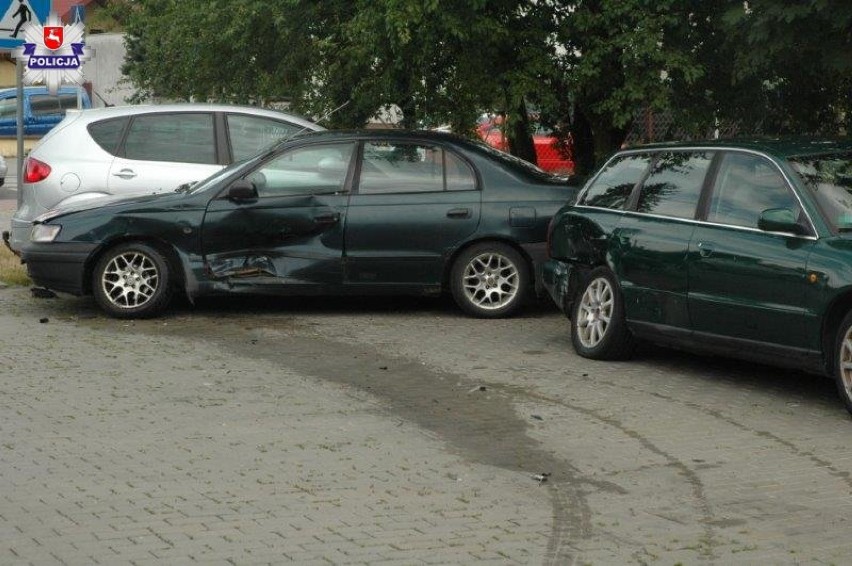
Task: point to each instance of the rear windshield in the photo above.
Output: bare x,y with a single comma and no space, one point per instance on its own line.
515,164
829,179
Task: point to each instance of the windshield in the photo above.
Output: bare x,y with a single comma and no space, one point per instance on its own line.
829,178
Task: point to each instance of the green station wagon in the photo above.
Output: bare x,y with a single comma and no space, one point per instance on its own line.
739,248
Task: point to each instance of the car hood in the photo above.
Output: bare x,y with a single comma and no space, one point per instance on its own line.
107,201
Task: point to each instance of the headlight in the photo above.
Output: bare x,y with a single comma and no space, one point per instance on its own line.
44,232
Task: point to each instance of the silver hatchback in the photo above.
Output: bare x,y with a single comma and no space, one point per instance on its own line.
140,150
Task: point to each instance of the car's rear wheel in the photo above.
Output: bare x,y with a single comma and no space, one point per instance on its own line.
843,361
490,280
132,281
598,328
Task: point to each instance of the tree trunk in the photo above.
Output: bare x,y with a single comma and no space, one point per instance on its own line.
520,140
583,140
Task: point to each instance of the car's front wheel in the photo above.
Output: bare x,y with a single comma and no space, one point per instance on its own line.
598,328
843,361
490,280
132,281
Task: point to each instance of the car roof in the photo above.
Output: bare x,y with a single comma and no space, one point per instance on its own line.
391,134
783,147
94,114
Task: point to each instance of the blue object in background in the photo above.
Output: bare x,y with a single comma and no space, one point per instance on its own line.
42,111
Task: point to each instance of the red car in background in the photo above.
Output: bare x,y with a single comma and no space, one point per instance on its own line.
548,151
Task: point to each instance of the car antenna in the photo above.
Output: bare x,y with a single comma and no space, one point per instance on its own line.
106,104
271,149
322,118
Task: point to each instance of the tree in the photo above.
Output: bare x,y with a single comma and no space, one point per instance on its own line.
796,58
586,67
618,57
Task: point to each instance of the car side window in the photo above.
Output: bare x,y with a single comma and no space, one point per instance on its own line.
41,104
250,134
184,137
745,186
315,169
674,184
612,187
460,176
8,108
46,104
107,133
396,167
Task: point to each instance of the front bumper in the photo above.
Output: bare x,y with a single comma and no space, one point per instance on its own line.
20,234
559,279
58,266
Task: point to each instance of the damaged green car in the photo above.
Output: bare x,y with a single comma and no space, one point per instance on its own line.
386,212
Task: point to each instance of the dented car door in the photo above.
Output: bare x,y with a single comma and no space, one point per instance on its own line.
289,232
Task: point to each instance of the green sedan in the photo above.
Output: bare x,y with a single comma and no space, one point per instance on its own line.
328,212
738,248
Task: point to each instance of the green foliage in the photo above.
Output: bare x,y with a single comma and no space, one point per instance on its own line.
796,59
586,66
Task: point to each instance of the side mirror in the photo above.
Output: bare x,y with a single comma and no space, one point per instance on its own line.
779,220
242,189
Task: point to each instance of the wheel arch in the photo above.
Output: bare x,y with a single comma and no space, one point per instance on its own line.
177,279
582,268
448,265
835,313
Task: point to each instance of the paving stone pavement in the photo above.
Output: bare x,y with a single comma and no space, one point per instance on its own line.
332,431
119,446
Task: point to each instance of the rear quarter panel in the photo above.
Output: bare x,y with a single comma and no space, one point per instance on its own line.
582,234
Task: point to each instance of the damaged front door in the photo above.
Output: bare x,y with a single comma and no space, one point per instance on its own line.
290,233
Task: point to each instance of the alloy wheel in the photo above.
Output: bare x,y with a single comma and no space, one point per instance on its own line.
490,281
130,280
595,312
845,362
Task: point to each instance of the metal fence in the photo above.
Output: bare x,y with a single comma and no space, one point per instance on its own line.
650,127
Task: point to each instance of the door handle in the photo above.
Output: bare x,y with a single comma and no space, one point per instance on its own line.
459,213
705,249
125,174
330,218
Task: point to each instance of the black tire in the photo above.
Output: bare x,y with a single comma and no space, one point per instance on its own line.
132,280
598,328
490,280
843,361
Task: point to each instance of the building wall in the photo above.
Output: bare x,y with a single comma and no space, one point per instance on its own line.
103,70
7,72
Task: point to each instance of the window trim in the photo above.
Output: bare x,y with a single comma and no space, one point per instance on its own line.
356,182
632,198
811,227
122,147
226,130
119,144
709,174
346,187
701,218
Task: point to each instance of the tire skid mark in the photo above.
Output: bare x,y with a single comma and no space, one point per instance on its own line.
822,463
479,425
691,476
559,552
819,462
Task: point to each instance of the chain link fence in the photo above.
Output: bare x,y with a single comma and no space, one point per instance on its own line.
650,127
